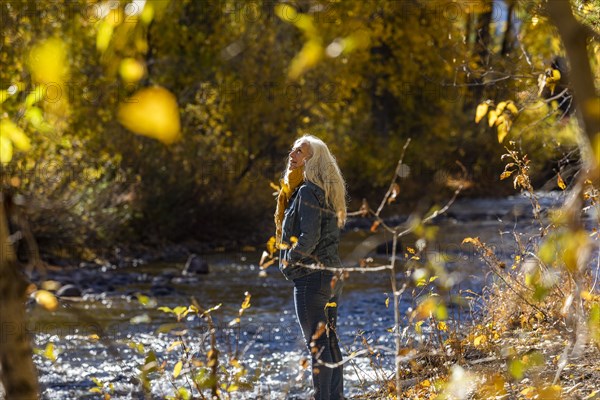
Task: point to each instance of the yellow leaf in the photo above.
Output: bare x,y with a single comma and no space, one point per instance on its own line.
441,312
310,54
479,340
492,117
571,246
500,107
560,182
48,61
131,70
528,392
152,112
177,369
46,300
473,241
426,308
6,149
4,95
183,394
442,326
104,35
34,115
286,12
180,310
493,387
15,134
481,111
173,345
506,174
512,108
34,96
418,326
274,186
49,352
502,131
271,245
387,302
550,393
332,304
232,388
556,75
246,302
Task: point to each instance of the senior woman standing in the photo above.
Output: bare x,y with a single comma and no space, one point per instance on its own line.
311,209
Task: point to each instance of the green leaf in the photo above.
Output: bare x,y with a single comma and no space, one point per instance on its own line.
150,363
515,368
183,393
166,328
441,312
146,301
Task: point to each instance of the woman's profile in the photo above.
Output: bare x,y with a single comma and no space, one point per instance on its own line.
311,209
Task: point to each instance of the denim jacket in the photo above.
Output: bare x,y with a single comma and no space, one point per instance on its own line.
308,219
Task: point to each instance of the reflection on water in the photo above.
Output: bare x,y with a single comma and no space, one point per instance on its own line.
269,338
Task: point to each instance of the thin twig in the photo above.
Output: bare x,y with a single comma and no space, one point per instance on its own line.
396,174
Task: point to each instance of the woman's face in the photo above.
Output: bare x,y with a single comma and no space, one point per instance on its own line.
299,155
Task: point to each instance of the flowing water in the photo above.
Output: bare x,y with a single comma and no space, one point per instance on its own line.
267,341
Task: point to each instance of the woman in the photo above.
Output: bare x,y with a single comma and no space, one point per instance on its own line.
311,209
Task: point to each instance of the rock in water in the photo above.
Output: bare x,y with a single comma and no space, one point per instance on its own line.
195,265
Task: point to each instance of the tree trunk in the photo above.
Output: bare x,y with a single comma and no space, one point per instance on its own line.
508,41
575,37
18,374
587,103
481,49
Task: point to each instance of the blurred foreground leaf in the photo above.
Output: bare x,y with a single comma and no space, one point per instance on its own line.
48,61
152,112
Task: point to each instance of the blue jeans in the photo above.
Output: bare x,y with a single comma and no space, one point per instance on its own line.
311,295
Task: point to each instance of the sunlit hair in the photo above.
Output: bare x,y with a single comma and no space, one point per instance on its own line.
322,169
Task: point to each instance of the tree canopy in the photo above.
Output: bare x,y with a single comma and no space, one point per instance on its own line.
226,86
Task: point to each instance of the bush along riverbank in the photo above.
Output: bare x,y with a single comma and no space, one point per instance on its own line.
535,327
